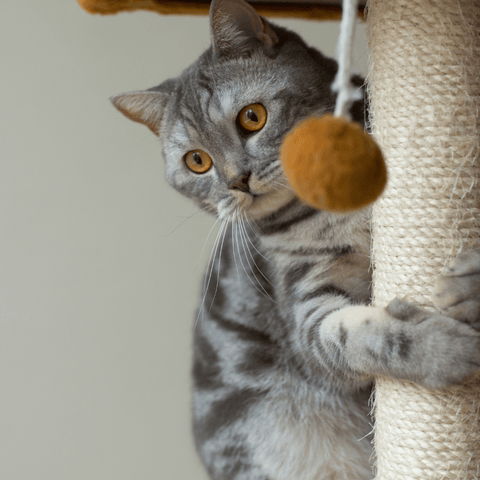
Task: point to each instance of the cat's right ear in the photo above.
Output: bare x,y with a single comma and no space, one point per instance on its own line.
146,106
236,28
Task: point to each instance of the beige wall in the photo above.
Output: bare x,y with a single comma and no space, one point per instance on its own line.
99,273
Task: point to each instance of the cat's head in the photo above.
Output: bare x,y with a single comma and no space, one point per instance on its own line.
222,121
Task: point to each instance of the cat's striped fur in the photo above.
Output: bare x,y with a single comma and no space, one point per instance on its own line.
285,346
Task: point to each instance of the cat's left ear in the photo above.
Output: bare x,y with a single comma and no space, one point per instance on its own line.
236,28
146,106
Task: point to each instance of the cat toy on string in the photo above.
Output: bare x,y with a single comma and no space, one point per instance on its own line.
330,162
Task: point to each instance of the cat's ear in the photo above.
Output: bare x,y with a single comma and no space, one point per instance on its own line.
145,106
236,28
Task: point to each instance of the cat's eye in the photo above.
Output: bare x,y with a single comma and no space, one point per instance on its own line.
252,117
198,161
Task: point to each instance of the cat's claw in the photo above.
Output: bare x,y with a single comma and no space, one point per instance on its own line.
402,309
457,289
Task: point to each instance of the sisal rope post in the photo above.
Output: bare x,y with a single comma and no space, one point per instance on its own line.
424,87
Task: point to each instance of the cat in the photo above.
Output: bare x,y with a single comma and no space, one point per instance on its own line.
286,343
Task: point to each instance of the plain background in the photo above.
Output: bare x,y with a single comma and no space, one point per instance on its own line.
100,264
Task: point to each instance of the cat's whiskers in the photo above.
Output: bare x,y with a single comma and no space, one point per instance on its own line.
210,267
233,245
244,234
264,292
219,262
245,223
254,228
181,223
283,185
205,244
149,136
275,188
212,209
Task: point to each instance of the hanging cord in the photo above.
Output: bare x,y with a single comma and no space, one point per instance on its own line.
347,93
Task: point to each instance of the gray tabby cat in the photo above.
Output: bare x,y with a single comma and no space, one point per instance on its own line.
286,346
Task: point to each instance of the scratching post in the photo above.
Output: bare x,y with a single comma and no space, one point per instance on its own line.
424,90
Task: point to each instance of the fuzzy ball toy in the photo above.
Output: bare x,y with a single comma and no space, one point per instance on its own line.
332,164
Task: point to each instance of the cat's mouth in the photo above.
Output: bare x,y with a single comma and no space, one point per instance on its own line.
260,204
260,200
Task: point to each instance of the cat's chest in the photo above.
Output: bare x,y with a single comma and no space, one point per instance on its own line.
329,434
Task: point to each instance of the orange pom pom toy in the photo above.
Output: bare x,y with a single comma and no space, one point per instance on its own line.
332,164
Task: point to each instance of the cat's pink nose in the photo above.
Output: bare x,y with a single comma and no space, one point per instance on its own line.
240,183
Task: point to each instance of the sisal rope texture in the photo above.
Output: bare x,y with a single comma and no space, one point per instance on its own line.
424,88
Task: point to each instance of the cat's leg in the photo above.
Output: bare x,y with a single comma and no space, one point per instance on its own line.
402,340
257,417
233,369
285,430
269,443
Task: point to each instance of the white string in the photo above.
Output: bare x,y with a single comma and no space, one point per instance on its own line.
342,84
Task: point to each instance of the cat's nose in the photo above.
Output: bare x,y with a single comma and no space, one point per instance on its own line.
240,183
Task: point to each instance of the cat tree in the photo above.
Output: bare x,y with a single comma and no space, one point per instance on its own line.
424,87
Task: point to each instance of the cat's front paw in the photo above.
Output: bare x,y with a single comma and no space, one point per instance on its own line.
438,350
457,289
450,351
